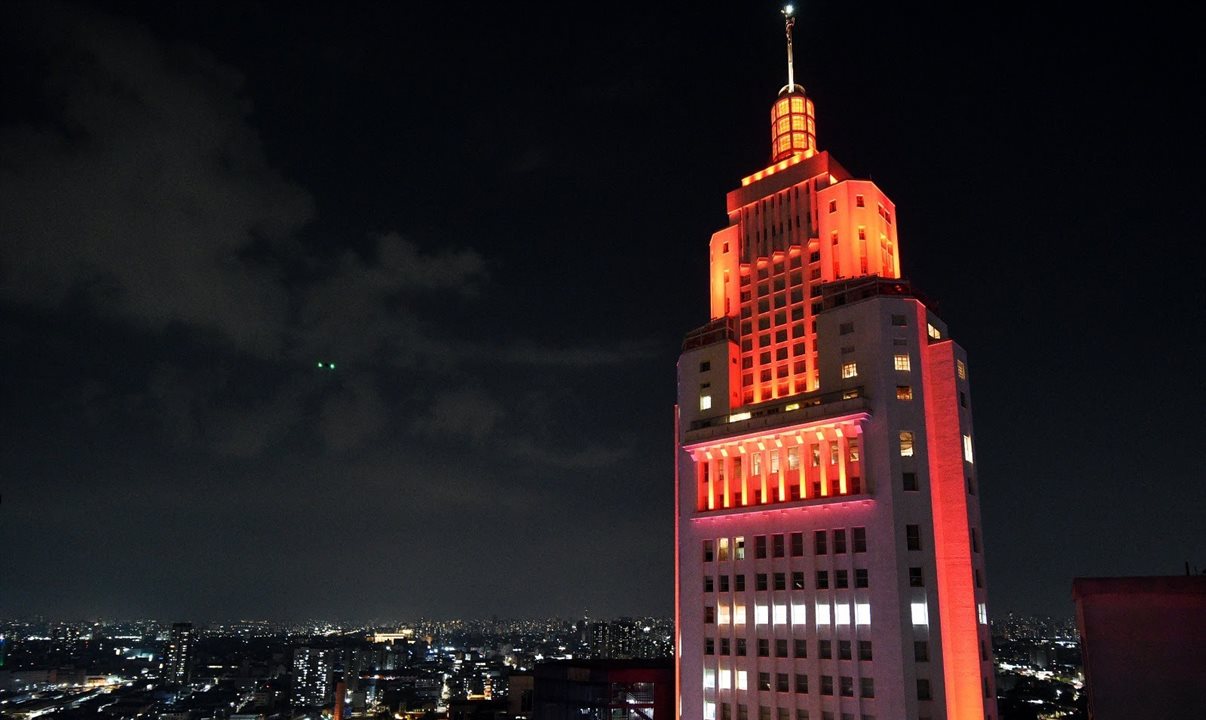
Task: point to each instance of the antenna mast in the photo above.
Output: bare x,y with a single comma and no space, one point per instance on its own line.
789,21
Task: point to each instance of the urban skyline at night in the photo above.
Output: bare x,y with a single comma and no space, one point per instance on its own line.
356,312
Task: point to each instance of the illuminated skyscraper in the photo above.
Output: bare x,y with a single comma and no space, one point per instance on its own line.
828,547
178,659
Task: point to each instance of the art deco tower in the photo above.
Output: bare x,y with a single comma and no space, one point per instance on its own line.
829,558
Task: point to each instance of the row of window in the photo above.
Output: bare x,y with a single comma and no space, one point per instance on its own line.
780,543
825,648
778,581
764,713
782,682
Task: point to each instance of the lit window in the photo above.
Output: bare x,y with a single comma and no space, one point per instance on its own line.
709,680
906,443
742,679
967,448
761,614
739,613
901,362
862,613
722,550
822,613
904,392
933,331
849,370
723,616
710,707
982,613
852,448
705,402
739,548
962,369
799,614
842,614
793,458
726,679
780,614
920,616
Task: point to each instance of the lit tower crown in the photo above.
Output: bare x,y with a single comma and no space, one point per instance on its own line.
793,125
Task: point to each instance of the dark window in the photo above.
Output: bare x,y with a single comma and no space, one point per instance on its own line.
740,647
705,366
860,578
780,581
866,687
819,542
724,646
763,647
707,549
858,202
797,544
847,686
826,684
724,583
921,651
797,581
760,582
846,328
962,399
916,579
839,541
801,683
860,539
764,681
825,649
923,689
739,583
844,650
709,614
910,481
822,579
900,320
971,486
777,546
913,537
781,648
832,209
841,579
814,257
781,683
801,647
760,546
864,649
975,540
708,584
709,646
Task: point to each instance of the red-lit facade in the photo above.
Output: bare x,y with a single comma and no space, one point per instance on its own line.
829,555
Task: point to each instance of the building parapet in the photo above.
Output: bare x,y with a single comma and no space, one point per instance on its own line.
784,411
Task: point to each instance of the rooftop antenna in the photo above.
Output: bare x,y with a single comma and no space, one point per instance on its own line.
789,22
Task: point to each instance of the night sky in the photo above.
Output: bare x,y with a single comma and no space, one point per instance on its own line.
494,220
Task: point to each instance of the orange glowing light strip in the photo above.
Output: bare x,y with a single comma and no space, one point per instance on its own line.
782,165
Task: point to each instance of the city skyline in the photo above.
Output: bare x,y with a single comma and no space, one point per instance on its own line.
489,231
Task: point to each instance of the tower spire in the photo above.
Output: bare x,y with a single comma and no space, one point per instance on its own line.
789,23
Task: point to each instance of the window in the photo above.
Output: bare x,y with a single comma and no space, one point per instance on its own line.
801,683
967,448
780,581
852,449
741,647
760,582
916,578
797,544
839,541
793,458
861,579
800,647
910,481
724,646
901,362
975,540
708,584
846,685
904,392
781,648
705,402
797,580
860,539
722,550
971,486
846,328
979,579
825,649
781,683
900,320
820,543
760,546
923,689
833,206
841,579
822,579
709,615
801,714
933,331
705,366
709,646
738,542
739,583
844,650
707,550
866,687
763,647
814,257
777,545
858,201
849,370
906,443
764,681
826,684
961,368
913,537
962,399
921,651
864,650
724,583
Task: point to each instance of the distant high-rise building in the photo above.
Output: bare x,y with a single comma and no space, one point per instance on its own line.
829,558
178,658
313,671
